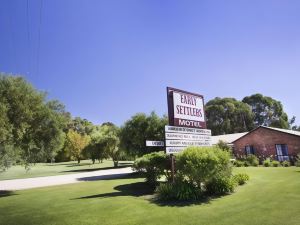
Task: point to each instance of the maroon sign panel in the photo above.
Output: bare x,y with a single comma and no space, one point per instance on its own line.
185,109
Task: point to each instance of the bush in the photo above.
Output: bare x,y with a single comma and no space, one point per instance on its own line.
297,163
275,163
252,160
153,166
199,165
286,163
241,178
267,162
219,186
239,163
181,191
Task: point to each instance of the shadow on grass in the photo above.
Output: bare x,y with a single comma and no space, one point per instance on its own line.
106,177
140,189
134,189
6,193
177,203
95,169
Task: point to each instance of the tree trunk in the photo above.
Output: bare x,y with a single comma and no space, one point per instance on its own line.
93,161
78,160
116,163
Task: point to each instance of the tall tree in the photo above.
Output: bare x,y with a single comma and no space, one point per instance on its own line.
267,111
82,126
228,115
140,128
31,128
76,143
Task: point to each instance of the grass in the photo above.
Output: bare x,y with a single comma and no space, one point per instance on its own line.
51,169
271,197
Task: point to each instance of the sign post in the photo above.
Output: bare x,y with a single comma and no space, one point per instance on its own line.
187,123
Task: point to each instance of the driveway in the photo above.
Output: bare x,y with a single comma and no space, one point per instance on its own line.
21,184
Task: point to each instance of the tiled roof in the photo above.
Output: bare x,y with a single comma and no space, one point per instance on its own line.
228,138
284,130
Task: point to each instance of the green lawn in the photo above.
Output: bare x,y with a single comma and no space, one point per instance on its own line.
272,197
50,169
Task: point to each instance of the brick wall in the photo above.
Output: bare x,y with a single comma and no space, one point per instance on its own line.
264,140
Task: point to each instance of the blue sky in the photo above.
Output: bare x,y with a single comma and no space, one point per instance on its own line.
107,60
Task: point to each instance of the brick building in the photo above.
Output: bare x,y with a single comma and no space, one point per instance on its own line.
281,144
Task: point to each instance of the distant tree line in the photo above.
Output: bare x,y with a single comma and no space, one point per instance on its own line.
34,129
228,115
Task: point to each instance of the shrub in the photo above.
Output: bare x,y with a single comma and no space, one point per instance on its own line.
246,164
252,160
239,163
153,166
199,165
286,163
165,192
241,178
224,146
267,162
275,163
219,186
297,163
181,191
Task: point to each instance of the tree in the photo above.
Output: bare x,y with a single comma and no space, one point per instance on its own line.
31,128
267,111
228,115
82,126
110,139
140,128
105,143
76,143
96,150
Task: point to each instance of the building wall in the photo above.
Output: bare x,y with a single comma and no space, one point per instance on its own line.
264,140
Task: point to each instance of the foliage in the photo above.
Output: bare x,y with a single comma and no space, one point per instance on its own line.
81,126
267,162
199,165
224,146
267,111
297,163
241,178
31,128
221,185
275,163
181,190
252,160
228,115
75,143
286,163
140,128
153,165
111,140
238,163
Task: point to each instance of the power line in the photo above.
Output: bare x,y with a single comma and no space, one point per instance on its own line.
39,39
28,35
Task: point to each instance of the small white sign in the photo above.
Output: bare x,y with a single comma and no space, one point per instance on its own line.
187,130
191,137
155,143
183,143
174,150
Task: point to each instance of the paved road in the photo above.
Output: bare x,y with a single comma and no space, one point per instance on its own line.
20,184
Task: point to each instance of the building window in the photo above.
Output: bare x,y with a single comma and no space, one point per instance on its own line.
249,149
282,152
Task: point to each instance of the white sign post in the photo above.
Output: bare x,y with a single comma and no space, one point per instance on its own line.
178,138
155,143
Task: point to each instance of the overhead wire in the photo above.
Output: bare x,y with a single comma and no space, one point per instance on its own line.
39,39
28,37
